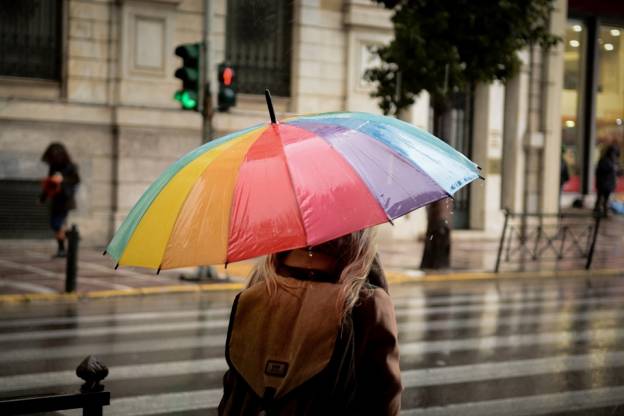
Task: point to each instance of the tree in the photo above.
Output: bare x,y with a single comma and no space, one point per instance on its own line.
447,47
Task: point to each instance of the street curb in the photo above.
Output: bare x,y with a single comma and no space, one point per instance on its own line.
394,278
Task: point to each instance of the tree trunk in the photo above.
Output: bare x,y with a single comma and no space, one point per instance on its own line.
437,253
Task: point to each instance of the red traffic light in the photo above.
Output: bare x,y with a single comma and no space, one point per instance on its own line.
228,76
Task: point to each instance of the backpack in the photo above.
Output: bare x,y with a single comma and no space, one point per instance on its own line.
290,352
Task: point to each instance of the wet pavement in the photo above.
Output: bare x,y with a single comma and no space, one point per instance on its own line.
26,267
550,347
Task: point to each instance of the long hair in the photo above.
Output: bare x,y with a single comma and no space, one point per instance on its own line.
56,154
354,254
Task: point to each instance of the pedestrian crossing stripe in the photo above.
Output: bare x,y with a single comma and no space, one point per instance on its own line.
223,313
552,316
425,377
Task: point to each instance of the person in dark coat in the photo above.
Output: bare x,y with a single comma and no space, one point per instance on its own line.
59,188
314,333
606,178
564,174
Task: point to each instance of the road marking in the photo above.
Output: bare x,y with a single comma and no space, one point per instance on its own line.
496,307
509,341
218,340
112,319
82,349
517,406
491,295
122,372
25,286
413,301
507,369
492,323
215,322
154,404
412,378
530,405
116,330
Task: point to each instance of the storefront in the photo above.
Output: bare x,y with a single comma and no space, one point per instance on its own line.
593,92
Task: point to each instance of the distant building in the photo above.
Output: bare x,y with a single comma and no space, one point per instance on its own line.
98,76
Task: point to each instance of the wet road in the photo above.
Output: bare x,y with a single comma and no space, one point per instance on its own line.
537,348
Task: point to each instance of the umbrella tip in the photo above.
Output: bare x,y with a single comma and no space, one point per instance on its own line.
116,266
481,177
225,265
391,222
104,253
158,271
267,95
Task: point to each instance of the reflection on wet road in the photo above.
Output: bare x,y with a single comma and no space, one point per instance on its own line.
536,348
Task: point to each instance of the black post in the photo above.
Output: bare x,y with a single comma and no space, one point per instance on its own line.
590,255
502,241
71,267
589,104
267,95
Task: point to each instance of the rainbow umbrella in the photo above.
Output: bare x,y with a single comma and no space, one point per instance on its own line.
286,185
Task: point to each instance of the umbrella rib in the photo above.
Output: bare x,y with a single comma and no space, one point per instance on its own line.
190,190
292,186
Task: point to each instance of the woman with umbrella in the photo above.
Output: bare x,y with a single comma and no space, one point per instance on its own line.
323,336
59,187
315,330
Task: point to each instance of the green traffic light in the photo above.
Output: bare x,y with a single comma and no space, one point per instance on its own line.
187,99
188,73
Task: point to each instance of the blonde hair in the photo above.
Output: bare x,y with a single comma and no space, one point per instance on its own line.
354,252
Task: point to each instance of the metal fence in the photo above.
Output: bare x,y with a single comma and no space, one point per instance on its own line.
91,398
547,237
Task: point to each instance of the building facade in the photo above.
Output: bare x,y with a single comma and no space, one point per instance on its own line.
98,76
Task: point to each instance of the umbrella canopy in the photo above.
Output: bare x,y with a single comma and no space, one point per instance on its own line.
287,185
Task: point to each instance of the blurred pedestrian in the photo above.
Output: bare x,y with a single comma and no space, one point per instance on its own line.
314,333
59,187
606,178
564,174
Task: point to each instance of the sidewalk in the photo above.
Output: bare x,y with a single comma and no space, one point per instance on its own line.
28,272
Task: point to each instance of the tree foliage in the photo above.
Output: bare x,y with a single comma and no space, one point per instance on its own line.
445,46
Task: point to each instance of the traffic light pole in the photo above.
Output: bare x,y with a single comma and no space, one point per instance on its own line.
206,70
206,110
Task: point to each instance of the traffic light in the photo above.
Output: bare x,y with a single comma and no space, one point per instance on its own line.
188,73
227,87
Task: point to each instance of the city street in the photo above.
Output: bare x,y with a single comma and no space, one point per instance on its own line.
537,347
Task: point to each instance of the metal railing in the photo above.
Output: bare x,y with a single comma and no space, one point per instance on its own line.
91,399
530,237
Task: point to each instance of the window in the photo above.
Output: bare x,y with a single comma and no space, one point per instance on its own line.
30,39
259,44
609,101
610,98
572,146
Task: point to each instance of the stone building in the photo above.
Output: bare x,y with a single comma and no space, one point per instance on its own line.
97,75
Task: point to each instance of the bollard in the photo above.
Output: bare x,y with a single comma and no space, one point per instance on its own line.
71,268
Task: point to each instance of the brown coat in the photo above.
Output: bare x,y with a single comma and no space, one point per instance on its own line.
291,354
